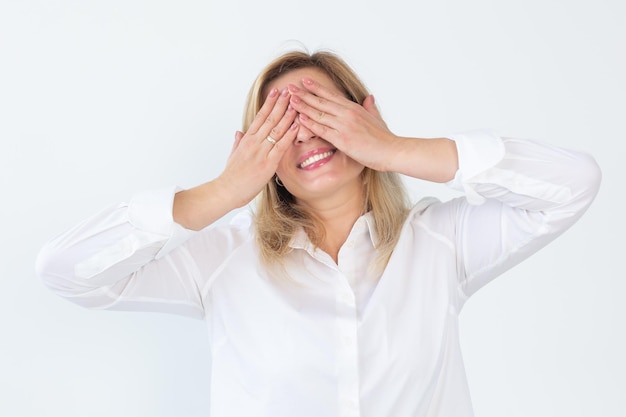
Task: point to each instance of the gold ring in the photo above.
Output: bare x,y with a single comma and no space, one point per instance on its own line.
271,140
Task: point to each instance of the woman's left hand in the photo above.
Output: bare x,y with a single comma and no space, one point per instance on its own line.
358,131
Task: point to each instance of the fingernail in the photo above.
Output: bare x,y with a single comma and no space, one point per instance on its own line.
295,99
293,126
293,88
289,107
273,92
307,81
284,92
304,117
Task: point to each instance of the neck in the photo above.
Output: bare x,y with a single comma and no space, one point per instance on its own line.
338,213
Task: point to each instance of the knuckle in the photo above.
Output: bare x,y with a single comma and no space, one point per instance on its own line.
351,113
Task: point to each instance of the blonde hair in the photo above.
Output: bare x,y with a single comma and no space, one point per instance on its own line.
278,215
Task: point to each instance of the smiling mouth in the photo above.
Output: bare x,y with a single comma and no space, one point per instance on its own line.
315,158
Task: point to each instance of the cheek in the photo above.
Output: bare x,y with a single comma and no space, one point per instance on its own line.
282,168
351,164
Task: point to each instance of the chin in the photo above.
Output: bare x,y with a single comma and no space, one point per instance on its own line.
324,188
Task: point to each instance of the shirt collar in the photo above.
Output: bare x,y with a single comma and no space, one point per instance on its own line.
371,227
300,240
364,224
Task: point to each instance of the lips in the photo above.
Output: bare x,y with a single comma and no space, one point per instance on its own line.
315,158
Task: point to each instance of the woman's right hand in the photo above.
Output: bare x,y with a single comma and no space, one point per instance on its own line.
254,158
251,164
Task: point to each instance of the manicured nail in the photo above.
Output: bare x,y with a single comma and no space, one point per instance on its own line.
307,81
284,92
273,92
293,126
293,88
304,117
295,99
289,107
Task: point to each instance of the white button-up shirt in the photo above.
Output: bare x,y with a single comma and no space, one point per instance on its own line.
319,338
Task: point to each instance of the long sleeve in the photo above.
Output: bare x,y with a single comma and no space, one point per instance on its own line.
520,195
122,258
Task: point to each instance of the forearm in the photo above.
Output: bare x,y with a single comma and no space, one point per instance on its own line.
522,195
111,244
113,260
198,207
433,160
522,173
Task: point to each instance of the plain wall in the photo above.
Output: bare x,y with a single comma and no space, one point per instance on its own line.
99,100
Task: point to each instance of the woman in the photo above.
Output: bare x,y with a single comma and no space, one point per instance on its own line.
336,298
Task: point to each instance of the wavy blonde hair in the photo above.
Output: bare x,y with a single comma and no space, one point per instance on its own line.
278,215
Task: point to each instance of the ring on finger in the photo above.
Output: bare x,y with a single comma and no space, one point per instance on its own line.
271,140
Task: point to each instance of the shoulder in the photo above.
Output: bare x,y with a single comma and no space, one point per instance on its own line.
430,209
434,216
228,235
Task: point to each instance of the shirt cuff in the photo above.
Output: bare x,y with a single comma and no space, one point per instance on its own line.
151,211
478,150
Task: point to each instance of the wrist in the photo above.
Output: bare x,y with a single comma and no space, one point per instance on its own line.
198,207
427,159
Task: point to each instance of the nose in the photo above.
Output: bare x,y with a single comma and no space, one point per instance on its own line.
304,134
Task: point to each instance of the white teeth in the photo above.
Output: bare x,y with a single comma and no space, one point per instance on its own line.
315,158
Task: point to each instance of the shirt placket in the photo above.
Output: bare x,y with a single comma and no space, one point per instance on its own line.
347,351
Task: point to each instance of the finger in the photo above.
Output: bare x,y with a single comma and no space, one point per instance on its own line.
321,130
264,112
322,91
275,117
238,136
325,114
279,120
328,101
279,149
277,133
369,105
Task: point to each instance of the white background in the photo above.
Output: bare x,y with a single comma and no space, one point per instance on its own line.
100,99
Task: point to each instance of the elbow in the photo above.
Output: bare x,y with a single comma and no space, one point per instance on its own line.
582,183
56,273
43,264
47,268
595,174
588,178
